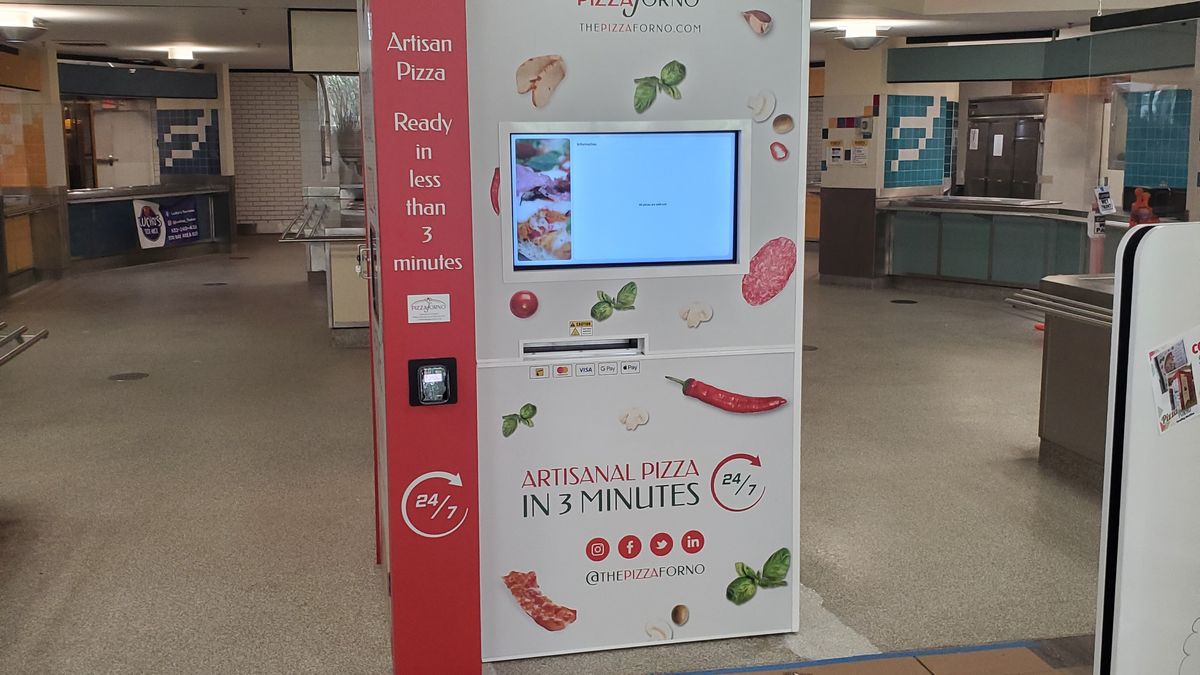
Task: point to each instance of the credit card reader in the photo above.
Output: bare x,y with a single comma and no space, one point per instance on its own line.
432,382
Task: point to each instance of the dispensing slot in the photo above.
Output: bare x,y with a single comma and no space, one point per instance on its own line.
587,348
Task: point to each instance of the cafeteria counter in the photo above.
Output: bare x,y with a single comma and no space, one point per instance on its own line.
198,217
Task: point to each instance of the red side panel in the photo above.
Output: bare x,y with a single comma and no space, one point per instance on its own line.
423,153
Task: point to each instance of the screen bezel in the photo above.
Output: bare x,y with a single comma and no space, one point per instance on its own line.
739,265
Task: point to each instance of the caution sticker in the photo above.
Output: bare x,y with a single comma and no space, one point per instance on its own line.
581,329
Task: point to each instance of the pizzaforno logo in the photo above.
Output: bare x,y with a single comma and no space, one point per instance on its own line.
629,8
151,223
428,306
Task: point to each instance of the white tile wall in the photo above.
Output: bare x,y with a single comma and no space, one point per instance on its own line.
267,148
816,145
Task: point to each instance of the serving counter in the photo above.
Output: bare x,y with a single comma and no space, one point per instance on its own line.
983,240
333,226
32,237
1075,365
104,223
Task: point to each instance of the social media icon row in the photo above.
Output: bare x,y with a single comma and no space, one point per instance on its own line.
630,546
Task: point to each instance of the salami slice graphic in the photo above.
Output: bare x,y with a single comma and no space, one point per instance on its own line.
770,270
524,587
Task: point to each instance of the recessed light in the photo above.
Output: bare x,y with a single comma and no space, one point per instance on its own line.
19,25
181,57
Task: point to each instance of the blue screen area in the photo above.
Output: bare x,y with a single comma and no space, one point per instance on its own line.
605,199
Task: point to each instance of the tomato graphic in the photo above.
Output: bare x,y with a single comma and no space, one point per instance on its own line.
523,304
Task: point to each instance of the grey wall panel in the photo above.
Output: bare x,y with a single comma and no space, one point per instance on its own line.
80,79
1151,48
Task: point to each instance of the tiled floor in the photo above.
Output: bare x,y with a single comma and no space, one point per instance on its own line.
217,516
1066,656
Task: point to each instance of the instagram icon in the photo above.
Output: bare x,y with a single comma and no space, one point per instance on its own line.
597,549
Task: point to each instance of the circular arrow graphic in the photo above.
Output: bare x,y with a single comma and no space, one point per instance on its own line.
431,510
737,483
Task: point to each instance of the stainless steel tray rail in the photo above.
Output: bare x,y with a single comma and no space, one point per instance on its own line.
20,340
1053,305
307,224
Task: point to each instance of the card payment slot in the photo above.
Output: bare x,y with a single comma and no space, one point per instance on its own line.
584,349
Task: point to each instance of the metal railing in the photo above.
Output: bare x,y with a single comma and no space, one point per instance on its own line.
1053,305
20,341
307,226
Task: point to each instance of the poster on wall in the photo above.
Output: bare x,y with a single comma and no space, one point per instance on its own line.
1175,365
165,224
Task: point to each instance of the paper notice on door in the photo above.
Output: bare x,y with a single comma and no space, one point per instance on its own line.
834,150
974,141
860,153
998,145
1175,365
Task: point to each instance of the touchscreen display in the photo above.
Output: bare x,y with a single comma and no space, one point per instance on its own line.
611,199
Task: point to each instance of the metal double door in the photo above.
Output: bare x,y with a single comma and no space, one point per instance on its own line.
1004,158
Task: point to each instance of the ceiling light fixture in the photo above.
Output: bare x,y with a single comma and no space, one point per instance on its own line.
181,57
18,25
862,36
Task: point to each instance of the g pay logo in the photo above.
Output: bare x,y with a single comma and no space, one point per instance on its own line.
597,549
629,547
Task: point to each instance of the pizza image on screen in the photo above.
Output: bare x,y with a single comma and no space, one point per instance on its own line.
542,208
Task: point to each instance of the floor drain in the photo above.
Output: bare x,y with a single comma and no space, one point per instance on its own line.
809,348
904,302
128,377
216,283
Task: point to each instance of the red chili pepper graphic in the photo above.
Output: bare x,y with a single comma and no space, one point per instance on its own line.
727,400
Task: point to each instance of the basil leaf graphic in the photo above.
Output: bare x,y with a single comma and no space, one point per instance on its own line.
626,296
526,421
643,96
672,91
601,311
745,570
673,73
528,411
509,425
740,590
776,568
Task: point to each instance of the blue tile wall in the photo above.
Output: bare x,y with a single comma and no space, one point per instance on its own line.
189,142
1157,137
951,127
907,119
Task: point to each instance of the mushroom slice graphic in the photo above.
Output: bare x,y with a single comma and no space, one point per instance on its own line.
541,75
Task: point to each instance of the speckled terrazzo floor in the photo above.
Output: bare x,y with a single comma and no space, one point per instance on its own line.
216,517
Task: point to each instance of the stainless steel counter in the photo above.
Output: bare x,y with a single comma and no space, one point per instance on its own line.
1075,359
112,194
1041,208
